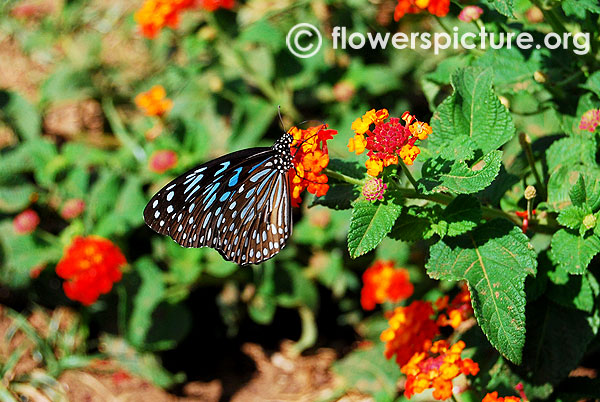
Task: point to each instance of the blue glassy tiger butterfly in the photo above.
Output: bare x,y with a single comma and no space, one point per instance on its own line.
238,204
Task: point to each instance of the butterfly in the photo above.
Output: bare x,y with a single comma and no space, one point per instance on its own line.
238,204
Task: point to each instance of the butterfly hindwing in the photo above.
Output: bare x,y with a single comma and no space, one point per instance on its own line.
237,204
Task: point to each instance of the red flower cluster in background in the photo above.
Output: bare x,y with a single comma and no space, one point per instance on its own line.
310,157
411,331
458,311
90,266
154,15
383,282
410,337
438,8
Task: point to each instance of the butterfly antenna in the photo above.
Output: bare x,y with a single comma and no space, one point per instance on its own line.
281,118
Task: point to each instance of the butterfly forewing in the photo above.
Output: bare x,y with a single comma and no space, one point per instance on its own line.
237,204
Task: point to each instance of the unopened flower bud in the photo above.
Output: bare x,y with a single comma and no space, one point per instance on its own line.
530,193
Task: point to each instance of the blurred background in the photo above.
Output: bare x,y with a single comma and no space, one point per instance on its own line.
101,104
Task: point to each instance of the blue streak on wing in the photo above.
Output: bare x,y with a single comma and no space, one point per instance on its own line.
233,181
225,166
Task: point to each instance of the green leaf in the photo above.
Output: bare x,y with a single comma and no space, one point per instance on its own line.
19,254
15,198
20,115
368,371
573,253
564,178
414,223
593,82
458,177
494,259
461,215
580,292
578,8
294,289
339,196
369,224
148,297
570,151
577,194
513,68
145,365
557,338
504,7
572,217
472,111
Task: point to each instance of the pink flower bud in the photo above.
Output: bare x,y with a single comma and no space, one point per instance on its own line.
163,160
470,13
26,222
72,208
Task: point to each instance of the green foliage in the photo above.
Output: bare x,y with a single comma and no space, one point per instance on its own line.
369,225
70,131
494,259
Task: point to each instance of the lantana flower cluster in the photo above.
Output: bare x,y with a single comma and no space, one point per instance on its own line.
154,15
590,120
384,282
388,140
90,266
493,397
411,333
310,157
436,368
154,102
438,8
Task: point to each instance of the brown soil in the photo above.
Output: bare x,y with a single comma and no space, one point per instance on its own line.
280,376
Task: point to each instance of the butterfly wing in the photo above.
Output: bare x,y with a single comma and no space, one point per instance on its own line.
237,204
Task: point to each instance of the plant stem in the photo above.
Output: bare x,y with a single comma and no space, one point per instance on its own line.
408,174
309,330
444,199
115,122
343,177
525,142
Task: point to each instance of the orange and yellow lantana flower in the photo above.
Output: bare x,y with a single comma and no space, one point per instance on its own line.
411,330
389,141
493,397
154,102
384,282
310,157
438,8
154,15
436,368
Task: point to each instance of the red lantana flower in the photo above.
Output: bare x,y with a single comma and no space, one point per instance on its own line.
90,266
383,282
309,148
411,331
436,368
389,140
438,8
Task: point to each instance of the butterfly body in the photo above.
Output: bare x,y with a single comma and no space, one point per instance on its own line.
238,204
